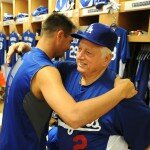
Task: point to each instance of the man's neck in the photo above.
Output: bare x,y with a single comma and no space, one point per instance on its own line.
91,78
46,45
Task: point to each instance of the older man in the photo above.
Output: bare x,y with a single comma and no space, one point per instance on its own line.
90,77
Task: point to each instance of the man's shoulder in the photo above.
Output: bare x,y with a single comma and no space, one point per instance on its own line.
67,65
37,57
134,104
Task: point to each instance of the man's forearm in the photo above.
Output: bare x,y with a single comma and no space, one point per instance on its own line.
87,111
148,148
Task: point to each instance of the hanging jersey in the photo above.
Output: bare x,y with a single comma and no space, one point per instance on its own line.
29,38
121,50
70,4
86,3
71,53
99,3
131,65
25,118
2,48
13,38
40,11
130,118
142,78
61,5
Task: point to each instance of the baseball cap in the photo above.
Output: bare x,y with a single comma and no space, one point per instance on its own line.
99,34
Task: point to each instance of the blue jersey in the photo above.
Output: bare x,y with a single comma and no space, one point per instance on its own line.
13,38
99,3
121,50
61,5
29,38
2,48
142,78
25,118
86,3
70,55
130,118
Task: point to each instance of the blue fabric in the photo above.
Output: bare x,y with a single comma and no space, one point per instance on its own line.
86,3
70,55
142,78
3,46
99,34
130,118
99,3
13,38
17,131
60,4
121,50
40,11
29,38
52,139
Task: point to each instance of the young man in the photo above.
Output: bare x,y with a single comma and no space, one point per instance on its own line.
34,83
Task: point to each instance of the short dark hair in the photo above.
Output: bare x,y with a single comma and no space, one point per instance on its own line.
56,22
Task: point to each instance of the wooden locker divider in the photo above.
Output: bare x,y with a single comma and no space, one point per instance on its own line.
0,14
20,6
134,19
108,19
77,4
6,8
51,6
149,25
34,4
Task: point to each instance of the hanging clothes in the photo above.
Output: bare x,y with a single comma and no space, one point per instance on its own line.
3,46
29,38
13,38
121,53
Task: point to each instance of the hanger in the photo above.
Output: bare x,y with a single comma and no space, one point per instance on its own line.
144,53
147,52
114,24
28,31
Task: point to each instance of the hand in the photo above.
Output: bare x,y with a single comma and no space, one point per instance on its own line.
127,87
148,148
17,48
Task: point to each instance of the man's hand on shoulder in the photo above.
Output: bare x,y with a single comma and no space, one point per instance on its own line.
127,87
17,48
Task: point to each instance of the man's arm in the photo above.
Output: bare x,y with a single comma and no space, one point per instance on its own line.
81,113
17,47
148,148
74,114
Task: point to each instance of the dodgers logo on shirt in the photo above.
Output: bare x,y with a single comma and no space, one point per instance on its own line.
93,126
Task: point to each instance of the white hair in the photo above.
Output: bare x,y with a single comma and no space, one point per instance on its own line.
105,51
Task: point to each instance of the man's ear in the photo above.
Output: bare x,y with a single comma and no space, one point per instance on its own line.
60,34
107,59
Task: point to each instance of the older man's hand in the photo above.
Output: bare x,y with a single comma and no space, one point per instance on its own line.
17,48
128,88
